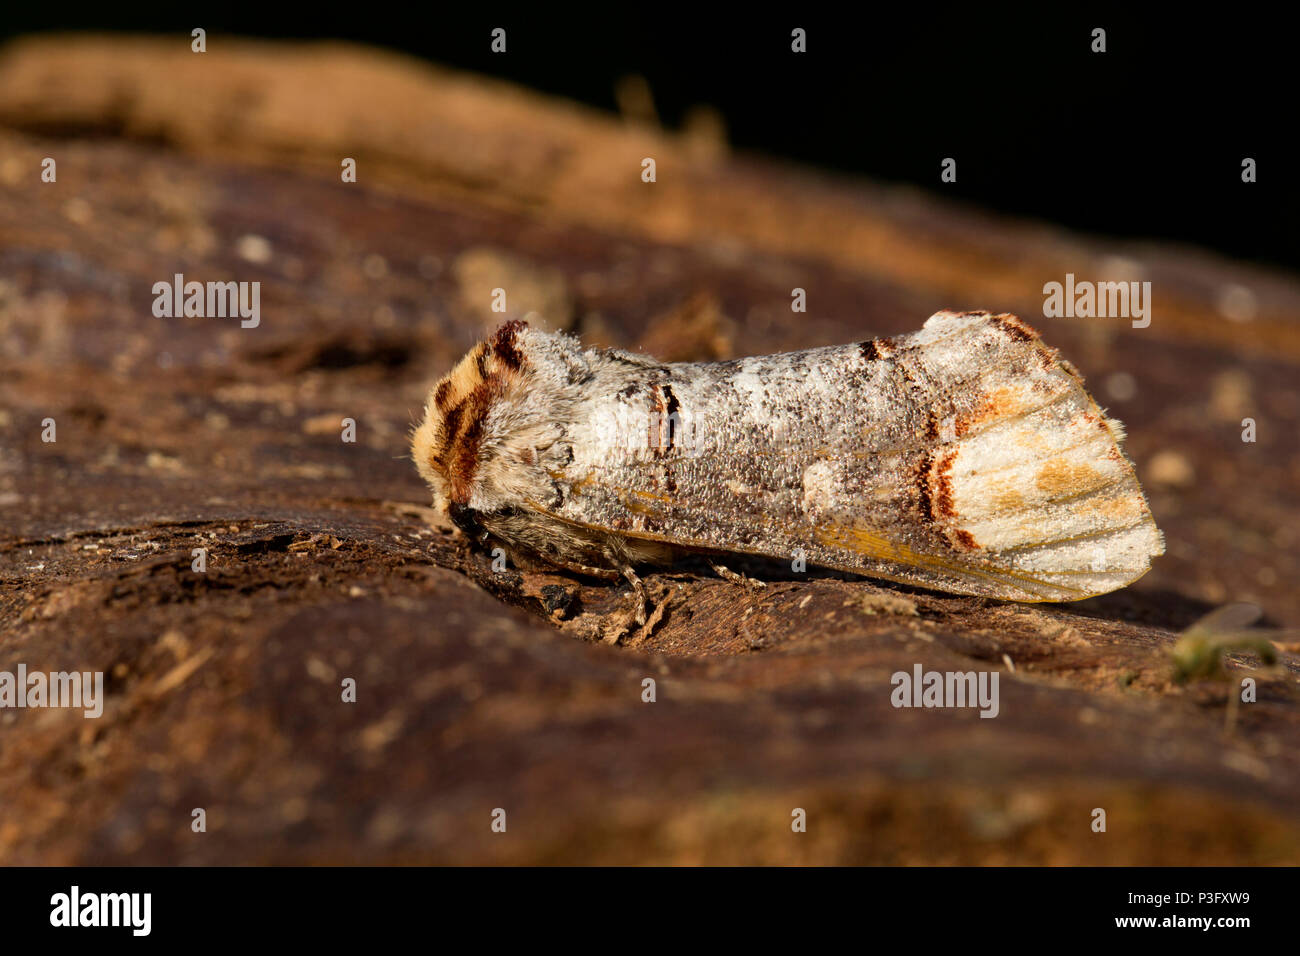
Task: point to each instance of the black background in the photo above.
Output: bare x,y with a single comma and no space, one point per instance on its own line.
1143,141
332,910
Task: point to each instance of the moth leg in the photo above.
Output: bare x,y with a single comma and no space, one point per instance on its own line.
620,625
638,589
577,567
724,572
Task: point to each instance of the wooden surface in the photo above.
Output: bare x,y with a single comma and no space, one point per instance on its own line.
523,690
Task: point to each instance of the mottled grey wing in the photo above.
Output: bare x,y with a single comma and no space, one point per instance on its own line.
966,457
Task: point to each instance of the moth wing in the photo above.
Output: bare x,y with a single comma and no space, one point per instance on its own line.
990,470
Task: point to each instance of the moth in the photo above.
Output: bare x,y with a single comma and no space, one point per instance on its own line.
966,457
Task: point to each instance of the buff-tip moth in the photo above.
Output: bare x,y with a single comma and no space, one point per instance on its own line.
966,457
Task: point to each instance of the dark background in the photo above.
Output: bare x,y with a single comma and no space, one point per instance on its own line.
1144,141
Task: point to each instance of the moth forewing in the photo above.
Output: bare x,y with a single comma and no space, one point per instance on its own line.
965,457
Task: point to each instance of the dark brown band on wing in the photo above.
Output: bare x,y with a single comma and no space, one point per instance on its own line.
665,420
464,402
1015,328
935,498
874,349
465,441
504,346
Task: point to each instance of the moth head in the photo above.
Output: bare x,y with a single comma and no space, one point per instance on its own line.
451,443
